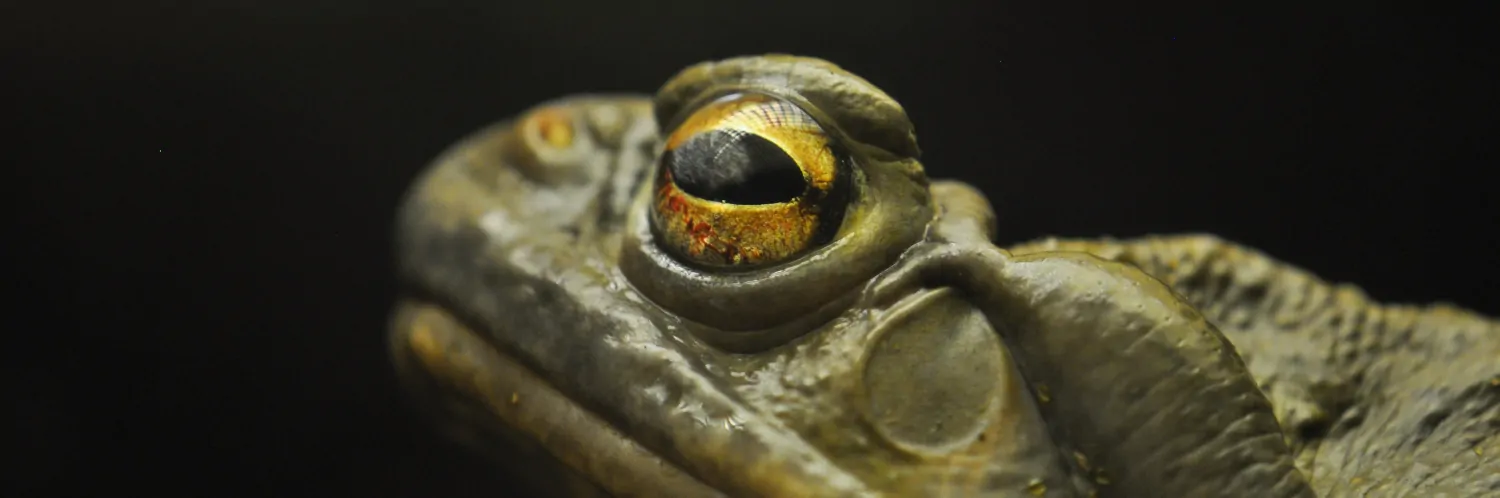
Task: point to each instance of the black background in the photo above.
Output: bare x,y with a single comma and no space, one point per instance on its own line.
206,191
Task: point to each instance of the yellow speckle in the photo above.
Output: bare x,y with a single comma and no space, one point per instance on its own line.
1478,451
515,398
1101,478
1043,394
558,134
1037,487
555,127
1356,481
422,342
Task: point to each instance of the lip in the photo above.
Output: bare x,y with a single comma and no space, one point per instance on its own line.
684,437
473,383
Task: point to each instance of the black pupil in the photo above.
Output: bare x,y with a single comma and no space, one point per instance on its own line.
735,167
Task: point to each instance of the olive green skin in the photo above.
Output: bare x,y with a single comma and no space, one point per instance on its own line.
910,356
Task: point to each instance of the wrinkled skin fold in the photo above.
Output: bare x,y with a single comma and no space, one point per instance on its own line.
544,321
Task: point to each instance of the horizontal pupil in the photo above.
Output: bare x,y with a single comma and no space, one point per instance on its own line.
735,167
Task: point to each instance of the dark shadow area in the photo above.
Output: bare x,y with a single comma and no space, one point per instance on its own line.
205,193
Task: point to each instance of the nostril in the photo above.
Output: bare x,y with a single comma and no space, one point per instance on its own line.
548,146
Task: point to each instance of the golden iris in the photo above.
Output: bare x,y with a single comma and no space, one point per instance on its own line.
747,180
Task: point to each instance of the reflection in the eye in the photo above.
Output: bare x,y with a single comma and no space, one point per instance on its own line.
734,167
748,180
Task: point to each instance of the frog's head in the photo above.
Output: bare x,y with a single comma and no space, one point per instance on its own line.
749,286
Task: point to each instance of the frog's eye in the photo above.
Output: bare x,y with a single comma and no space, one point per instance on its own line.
748,180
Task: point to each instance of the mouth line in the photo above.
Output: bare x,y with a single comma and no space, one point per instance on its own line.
475,383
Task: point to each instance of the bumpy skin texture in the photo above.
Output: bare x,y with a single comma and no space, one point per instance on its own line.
1377,400
909,356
